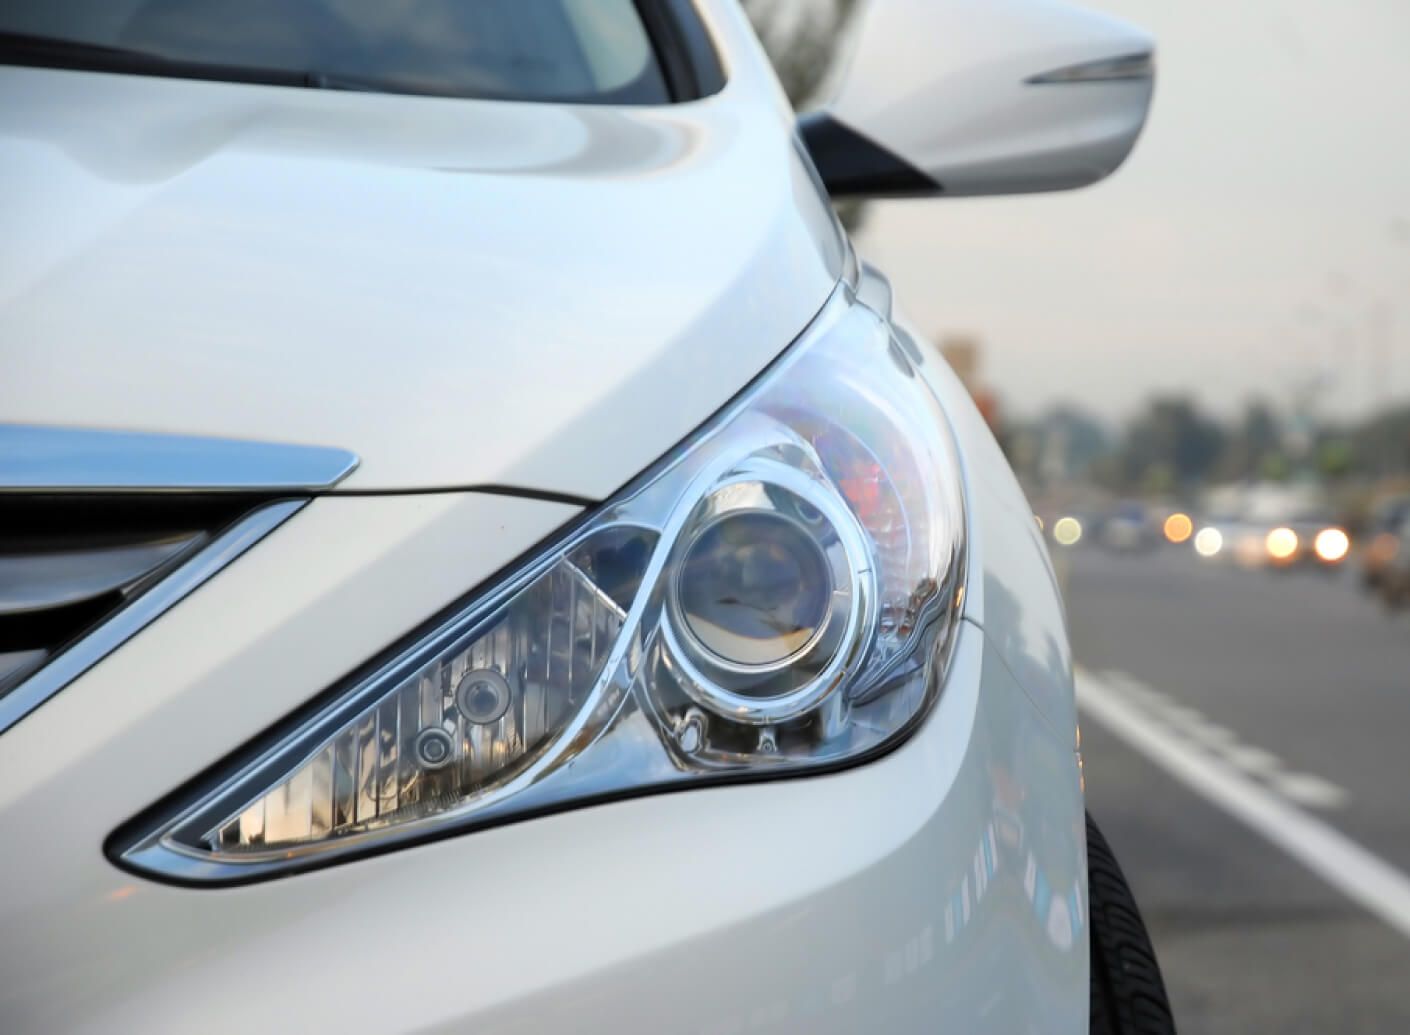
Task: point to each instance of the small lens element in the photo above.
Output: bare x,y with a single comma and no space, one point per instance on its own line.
482,696
434,748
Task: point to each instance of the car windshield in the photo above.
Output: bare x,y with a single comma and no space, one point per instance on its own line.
543,50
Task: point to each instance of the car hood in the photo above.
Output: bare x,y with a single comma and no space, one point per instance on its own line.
462,293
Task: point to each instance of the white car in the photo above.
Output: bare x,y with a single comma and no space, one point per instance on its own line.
480,552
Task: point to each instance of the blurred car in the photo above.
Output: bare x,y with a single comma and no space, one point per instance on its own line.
1394,579
1272,525
1309,538
483,553
1231,538
1128,527
1384,537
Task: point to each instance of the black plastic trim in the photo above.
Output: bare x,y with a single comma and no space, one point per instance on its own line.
695,40
853,165
547,495
687,56
73,523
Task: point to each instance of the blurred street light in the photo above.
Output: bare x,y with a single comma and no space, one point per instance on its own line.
1178,527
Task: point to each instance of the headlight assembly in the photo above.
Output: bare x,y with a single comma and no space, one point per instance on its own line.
777,596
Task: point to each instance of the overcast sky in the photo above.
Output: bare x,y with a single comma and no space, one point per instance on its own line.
1243,249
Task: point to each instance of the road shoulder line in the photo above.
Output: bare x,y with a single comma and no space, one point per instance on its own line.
1363,877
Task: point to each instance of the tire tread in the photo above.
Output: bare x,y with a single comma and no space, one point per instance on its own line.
1128,994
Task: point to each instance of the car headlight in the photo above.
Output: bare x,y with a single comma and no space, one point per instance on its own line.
776,596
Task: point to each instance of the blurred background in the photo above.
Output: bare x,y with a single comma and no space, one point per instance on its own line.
1200,370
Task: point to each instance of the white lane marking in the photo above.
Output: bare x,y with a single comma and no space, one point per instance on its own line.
1136,688
1363,877
1182,716
1303,788
1252,759
1307,789
1212,735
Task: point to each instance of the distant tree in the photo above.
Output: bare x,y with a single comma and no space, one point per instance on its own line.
1171,442
800,37
1065,444
1158,480
1085,439
1334,457
1275,467
1251,443
1380,445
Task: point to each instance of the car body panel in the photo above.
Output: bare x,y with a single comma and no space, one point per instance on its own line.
261,232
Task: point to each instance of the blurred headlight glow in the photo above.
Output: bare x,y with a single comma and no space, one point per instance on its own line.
1208,542
1067,531
1281,544
776,596
1331,545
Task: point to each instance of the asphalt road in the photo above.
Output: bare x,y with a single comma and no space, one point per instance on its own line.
1250,765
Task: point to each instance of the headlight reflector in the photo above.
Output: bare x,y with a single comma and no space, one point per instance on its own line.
777,595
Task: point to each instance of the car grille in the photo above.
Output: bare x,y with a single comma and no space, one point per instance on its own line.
69,562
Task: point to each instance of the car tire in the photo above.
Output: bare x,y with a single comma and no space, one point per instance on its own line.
1128,994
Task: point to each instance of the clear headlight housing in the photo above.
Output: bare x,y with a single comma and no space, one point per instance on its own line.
776,596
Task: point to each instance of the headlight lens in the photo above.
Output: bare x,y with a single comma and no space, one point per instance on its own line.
755,589
778,595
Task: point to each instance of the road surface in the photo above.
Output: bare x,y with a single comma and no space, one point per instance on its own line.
1247,747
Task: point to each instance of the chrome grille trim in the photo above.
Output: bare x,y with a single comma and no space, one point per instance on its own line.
126,622
42,580
43,458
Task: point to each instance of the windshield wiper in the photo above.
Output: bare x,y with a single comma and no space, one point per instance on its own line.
18,48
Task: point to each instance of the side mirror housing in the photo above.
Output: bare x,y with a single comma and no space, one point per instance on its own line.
973,97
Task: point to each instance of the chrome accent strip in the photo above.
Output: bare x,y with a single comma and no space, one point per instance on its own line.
45,458
130,620
1127,66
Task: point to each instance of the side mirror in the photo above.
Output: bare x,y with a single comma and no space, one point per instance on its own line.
967,97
